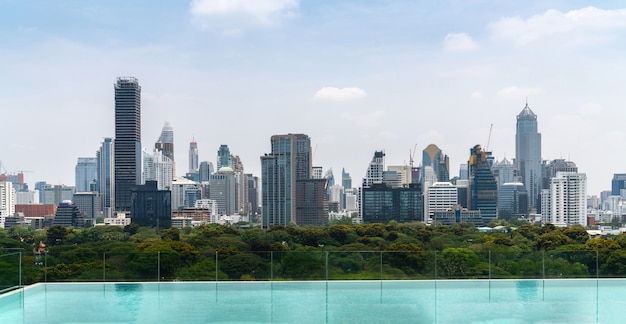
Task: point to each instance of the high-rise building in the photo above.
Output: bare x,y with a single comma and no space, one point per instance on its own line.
158,167
224,158
483,188
106,176
311,206
56,194
555,166
89,205
432,156
86,173
204,171
618,183
439,196
127,148
318,172
181,188
528,154
289,161
375,169
512,200
165,144
503,171
346,180
253,193
193,157
381,203
223,191
7,200
565,203
151,206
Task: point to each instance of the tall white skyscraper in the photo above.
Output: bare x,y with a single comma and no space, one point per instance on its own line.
193,157
106,178
565,203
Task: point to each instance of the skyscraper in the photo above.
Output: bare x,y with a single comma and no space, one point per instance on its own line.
375,170
289,161
86,173
483,187
224,159
432,156
166,144
528,154
106,180
158,167
565,202
193,157
127,146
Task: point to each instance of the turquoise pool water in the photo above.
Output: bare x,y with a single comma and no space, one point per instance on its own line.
428,301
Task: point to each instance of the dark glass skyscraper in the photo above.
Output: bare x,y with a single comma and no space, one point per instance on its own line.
483,187
127,148
528,154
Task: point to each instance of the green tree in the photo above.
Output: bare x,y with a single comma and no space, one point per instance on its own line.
457,261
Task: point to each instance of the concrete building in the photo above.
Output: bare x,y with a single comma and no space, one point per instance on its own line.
193,157
512,200
56,194
158,167
311,207
183,193
382,203
106,176
7,201
89,205
565,203
165,144
223,191
68,214
439,196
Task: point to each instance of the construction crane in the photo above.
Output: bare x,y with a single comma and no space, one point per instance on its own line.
489,138
412,155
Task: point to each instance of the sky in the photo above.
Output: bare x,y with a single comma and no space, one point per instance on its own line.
355,75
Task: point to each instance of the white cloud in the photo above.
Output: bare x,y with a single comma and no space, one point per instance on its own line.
517,92
367,119
339,94
233,15
459,42
477,95
591,108
576,27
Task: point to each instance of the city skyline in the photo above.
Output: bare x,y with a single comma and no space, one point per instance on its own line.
356,77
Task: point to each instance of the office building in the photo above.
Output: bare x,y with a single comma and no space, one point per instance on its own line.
528,154
440,163
503,171
311,206
127,147
204,171
512,200
56,194
381,203
483,188
253,193
183,193
439,196
193,157
68,214
223,191
158,167
7,200
346,180
618,183
106,176
86,173
375,169
151,206
165,144
289,161
88,204
224,158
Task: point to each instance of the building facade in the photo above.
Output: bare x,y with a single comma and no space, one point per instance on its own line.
439,196
381,203
158,167
289,161
311,206
565,203
127,148
165,144
483,187
193,157
106,176
528,154
151,206
86,173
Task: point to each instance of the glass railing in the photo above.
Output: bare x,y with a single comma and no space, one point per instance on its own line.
76,265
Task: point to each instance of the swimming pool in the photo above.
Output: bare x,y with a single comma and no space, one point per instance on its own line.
425,301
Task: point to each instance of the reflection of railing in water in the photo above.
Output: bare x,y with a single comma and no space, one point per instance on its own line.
78,265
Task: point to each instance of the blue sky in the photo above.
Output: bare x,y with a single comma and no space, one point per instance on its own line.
356,76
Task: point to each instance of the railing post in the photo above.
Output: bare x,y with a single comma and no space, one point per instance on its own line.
381,265
543,263
104,272
435,265
597,265
271,265
216,266
489,265
20,268
158,266
326,265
